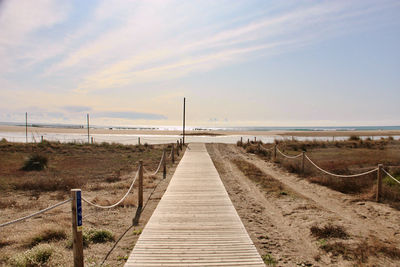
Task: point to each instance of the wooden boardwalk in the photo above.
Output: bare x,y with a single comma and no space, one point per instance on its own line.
195,223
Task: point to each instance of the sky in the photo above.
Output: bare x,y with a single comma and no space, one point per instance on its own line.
238,63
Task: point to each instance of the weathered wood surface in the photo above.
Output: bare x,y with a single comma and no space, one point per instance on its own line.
195,223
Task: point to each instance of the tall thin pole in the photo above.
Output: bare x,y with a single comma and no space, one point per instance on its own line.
88,139
184,107
26,126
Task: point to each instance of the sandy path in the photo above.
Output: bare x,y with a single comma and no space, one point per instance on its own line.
280,224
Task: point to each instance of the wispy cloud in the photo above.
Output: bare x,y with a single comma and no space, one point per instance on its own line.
81,56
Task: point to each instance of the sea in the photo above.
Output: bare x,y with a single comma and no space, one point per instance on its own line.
35,136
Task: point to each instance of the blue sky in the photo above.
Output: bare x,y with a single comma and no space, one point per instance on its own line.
238,63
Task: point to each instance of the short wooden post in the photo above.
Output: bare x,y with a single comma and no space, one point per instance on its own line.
172,154
379,183
180,143
138,140
91,139
177,148
140,187
248,141
241,140
164,165
255,139
275,152
77,240
41,139
303,158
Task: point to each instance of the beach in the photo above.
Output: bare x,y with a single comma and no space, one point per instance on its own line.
104,131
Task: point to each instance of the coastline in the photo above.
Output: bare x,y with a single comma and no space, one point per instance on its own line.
5,128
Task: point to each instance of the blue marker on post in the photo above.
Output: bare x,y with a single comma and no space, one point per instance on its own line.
79,211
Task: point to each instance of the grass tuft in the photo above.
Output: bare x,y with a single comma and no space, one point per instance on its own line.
329,231
36,256
269,260
46,235
99,236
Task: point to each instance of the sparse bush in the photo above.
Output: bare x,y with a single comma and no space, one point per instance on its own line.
36,256
35,162
269,260
354,138
329,231
99,236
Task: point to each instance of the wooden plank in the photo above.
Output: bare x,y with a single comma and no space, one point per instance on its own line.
195,223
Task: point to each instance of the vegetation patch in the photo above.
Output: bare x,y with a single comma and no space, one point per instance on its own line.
47,235
36,256
268,183
269,260
99,236
360,252
329,231
35,162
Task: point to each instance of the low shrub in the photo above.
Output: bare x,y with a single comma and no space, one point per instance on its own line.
99,236
36,256
35,162
329,231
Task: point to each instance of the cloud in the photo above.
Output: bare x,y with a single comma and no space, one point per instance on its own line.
129,115
77,108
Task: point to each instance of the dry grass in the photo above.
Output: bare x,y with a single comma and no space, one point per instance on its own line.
70,165
47,233
104,172
269,184
360,252
329,231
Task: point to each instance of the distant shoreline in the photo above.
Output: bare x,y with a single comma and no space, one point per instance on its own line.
5,128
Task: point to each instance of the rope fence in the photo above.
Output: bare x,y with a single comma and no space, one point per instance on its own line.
287,156
379,170
339,175
36,213
118,202
388,174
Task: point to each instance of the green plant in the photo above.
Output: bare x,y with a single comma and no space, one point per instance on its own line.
35,162
36,256
99,236
137,232
269,260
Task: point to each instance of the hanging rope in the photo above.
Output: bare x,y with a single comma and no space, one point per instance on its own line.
116,204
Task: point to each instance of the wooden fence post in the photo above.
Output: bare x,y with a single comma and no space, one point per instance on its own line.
241,140
164,165
41,139
138,141
140,187
379,183
77,239
177,148
275,152
255,139
91,139
172,154
303,158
